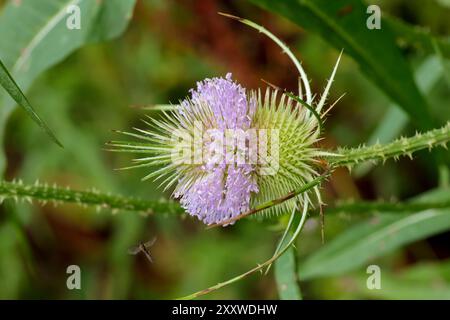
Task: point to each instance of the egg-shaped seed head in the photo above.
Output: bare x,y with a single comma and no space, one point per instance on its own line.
291,157
225,150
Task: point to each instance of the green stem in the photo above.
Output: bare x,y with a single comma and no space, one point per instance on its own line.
395,149
284,47
45,193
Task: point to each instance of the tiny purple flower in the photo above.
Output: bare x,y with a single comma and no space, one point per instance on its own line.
221,190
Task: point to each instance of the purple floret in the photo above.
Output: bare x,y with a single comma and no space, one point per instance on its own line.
221,190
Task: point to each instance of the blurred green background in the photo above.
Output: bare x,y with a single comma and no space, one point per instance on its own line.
167,47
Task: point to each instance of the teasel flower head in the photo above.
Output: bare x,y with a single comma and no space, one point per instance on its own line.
212,189
225,150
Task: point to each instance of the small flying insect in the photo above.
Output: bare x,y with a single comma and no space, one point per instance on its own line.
143,247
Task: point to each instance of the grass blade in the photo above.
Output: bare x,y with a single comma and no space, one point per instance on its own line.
286,277
374,238
8,83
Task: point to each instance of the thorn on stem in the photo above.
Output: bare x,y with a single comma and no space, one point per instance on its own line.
227,15
322,224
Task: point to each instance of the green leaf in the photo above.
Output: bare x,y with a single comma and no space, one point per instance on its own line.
423,281
11,264
286,276
394,121
8,83
45,39
342,23
419,36
112,19
376,237
427,76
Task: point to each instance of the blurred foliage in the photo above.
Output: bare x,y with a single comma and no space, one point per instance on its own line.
167,47
46,39
375,51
